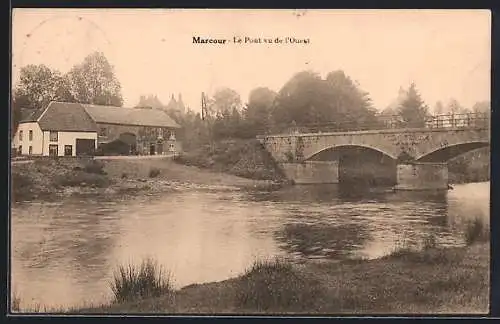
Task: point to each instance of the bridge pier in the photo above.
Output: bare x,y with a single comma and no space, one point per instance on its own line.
422,176
312,172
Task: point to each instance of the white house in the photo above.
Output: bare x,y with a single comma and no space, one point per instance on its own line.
57,130
72,129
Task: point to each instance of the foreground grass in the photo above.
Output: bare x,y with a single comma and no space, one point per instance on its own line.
437,280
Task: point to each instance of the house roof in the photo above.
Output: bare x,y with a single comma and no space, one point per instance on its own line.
130,116
30,115
63,116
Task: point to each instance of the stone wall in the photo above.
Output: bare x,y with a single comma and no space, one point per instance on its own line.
422,176
415,143
312,172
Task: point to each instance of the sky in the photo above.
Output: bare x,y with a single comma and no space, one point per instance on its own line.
447,53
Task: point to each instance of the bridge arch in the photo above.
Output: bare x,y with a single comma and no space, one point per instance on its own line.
337,148
445,153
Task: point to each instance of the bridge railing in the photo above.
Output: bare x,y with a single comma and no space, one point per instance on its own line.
466,120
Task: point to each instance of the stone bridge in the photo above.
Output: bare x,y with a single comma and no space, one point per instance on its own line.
420,154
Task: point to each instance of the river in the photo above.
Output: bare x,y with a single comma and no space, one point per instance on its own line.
64,253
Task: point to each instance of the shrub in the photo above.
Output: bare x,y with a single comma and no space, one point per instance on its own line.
21,186
138,282
81,179
154,172
276,285
94,166
430,242
289,156
16,303
476,231
21,180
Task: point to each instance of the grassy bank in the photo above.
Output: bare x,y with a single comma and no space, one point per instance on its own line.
49,178
243,158
452,280
429,281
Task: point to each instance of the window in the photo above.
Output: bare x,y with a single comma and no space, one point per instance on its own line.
103,131
30,150
68,150
30,135
20,135
53,151
171,147
53,136
20,149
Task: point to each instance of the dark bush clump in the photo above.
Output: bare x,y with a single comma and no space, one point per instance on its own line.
276,286
81,179
476,231
94,166
132,282
154,172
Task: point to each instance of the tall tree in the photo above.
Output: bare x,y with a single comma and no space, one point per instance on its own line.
308,99
482,107
351,103
439,108
301,100
94,82
38,85
454,107
258,111
224,101
413,111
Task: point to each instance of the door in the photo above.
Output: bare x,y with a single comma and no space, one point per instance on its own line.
53,150
152,149
85,146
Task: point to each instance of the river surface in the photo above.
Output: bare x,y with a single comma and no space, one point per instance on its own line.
64,253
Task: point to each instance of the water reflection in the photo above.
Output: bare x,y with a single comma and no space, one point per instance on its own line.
64,252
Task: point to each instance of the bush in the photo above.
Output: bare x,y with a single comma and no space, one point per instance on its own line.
94,166
148,280
276,285
476,231
81,179
21,186
21,180
154,172
16,303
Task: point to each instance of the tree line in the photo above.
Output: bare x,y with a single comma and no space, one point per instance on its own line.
305,101
93,81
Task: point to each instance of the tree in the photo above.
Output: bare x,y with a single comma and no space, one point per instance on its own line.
94,82
308,99
38,85
224,101
482,107
454,107
412,111
258,111
351,102
438,108
301,99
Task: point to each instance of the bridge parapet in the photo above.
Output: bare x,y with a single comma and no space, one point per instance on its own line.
416,143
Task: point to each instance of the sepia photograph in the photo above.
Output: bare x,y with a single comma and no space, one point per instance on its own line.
250,162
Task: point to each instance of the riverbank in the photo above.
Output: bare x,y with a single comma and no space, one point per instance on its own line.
437,280
242,158
52,179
